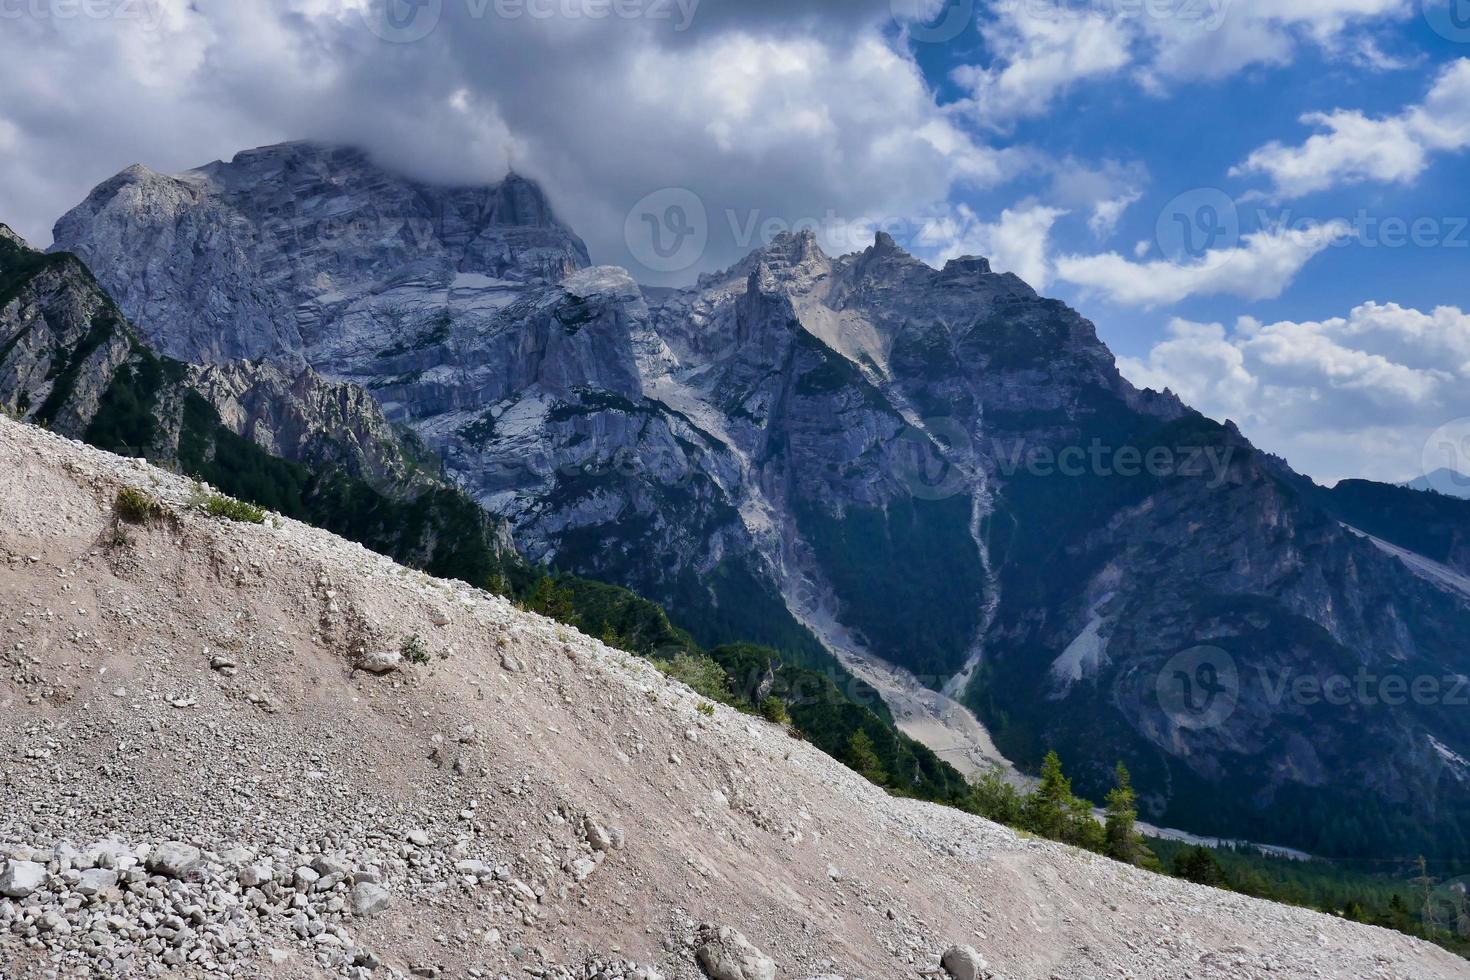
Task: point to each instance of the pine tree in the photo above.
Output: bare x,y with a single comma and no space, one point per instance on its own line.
862,757
552,601
1081,828
995,799
1122,819
1200,866
1047,805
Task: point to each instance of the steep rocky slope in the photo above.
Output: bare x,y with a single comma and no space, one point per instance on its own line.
861,456
278,432
202,770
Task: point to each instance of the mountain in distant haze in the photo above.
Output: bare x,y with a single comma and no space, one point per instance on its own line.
1444,481
864,456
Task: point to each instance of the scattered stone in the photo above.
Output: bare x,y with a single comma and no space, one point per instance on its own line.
95,881
22,878
963,963
597,836
173,860
255,875
382,662
369,899
725,954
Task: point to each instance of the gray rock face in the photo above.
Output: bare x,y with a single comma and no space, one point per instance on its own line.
725,954
70,360
271,275
936,466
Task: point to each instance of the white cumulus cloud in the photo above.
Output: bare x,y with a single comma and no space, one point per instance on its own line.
1357,395
1352,147
1260,267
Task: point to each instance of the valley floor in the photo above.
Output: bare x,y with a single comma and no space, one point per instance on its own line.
525,802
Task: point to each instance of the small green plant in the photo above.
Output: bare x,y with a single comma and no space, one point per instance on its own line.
773,709
705,708
701,672
138,506
413,650
230,509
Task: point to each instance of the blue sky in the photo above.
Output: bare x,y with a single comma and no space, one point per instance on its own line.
1380,392
1054,136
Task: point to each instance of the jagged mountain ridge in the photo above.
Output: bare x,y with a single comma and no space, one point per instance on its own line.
846,447
70,361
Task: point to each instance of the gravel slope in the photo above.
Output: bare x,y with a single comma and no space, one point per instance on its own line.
528,802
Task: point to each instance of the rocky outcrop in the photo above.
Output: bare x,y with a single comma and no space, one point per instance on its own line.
275,431
936,467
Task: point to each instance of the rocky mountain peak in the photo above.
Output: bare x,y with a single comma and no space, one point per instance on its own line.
266,254
967,265
520,202
7,235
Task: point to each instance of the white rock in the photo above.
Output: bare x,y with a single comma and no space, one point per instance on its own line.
95,881
255,875
369,899
724,954
22,878
173,859
963,963
382,662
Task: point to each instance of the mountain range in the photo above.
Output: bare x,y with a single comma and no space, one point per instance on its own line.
857,460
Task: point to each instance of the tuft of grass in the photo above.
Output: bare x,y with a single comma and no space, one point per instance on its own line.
138,506
220,506
413,650
705,708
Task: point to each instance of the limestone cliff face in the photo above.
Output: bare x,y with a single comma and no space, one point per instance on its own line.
314,448
936,466
263,256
